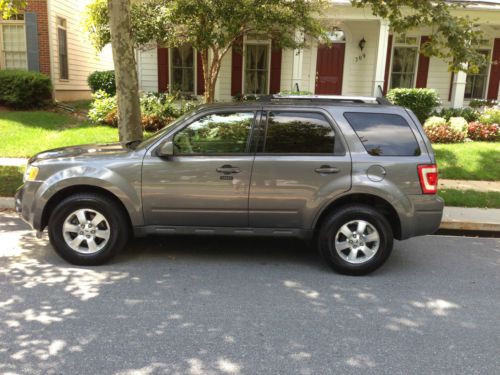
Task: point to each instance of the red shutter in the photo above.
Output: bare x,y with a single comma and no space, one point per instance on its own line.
162,69
275,79
200,81
423,66
495,72
237,67
387,64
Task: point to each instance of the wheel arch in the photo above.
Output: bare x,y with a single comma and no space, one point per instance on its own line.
79,189
387,209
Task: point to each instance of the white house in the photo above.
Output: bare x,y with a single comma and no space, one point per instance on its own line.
48,37
365,55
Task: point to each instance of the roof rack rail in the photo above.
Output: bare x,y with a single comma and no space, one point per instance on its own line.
332,98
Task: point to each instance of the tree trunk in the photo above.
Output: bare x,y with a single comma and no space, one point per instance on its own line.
127,84
210,74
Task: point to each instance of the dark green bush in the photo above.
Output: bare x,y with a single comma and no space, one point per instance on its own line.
24,89
469,114
421,101
104,81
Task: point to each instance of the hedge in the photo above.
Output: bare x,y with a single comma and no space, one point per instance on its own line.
103,81
421,101
24,89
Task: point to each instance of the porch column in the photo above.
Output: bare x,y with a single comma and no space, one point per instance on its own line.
298,57
383,37
458,89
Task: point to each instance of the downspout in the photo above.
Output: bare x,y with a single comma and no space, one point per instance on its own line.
51,52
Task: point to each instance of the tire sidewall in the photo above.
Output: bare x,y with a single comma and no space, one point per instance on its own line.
107,209
329,229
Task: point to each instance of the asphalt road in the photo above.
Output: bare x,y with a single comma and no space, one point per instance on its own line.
248,306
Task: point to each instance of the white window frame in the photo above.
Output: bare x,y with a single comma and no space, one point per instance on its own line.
405,45
486,47
171,69
11,22
254,41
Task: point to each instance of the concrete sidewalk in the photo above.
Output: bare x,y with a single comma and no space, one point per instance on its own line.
482,186
13,162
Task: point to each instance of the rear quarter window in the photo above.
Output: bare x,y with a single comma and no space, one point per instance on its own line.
384,134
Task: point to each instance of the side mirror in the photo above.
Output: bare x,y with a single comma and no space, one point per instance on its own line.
166,149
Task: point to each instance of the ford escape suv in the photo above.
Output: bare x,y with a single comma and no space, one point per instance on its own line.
352,173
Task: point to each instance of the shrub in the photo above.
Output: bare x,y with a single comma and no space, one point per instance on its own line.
441,131
24,89
157,110
467,113
478,103
104,81
459,125
483,132
490,116
434,121
421,101
103,105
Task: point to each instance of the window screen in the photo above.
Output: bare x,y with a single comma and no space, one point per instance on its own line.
62,37
299,132
384,134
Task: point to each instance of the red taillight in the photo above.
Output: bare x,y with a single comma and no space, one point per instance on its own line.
428,175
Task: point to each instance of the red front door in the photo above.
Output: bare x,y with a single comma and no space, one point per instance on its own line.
329,69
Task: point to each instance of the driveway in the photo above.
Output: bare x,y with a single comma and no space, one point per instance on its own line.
178,305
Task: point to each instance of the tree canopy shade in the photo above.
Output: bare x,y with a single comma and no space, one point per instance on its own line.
10,7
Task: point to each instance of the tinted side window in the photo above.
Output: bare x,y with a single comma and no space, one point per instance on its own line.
384,134
217,133
294,132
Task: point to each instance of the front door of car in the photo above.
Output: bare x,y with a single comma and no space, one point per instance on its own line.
206,180
300,164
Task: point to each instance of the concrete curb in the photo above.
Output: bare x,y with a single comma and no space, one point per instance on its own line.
449,223
7,203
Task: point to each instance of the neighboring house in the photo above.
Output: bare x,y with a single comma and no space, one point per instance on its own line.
48,37
365,55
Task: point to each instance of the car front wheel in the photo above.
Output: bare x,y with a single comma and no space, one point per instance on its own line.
355,240
88,229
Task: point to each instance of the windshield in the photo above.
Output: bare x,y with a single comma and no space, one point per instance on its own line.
155,136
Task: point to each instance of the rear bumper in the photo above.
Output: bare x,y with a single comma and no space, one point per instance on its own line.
426,218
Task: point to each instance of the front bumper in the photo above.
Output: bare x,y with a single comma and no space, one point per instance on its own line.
25,204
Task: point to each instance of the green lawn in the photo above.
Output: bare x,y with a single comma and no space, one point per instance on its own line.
470,198
469,161
26,133
11,178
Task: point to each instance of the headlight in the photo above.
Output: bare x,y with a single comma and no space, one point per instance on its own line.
30,174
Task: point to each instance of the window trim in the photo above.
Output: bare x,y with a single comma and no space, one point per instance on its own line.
248,41
339,143
255,111
171,71
64,27
405,45
10,22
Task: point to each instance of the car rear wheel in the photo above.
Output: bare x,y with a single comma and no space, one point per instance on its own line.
88,229
355,240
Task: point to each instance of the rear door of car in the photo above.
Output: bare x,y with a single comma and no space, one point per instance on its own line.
301,161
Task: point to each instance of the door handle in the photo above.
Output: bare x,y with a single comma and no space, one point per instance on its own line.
327,169
228,169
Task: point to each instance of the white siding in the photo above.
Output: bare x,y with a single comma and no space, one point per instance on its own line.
82,57
286,70
439,79
148,70
223,86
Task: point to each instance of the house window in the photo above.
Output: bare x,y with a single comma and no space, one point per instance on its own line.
62,38
475,87
257,68
404,62
13,46
183,69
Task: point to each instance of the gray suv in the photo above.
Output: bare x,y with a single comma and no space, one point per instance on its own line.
350,173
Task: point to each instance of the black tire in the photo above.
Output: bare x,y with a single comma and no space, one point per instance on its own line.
114,215
332,224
